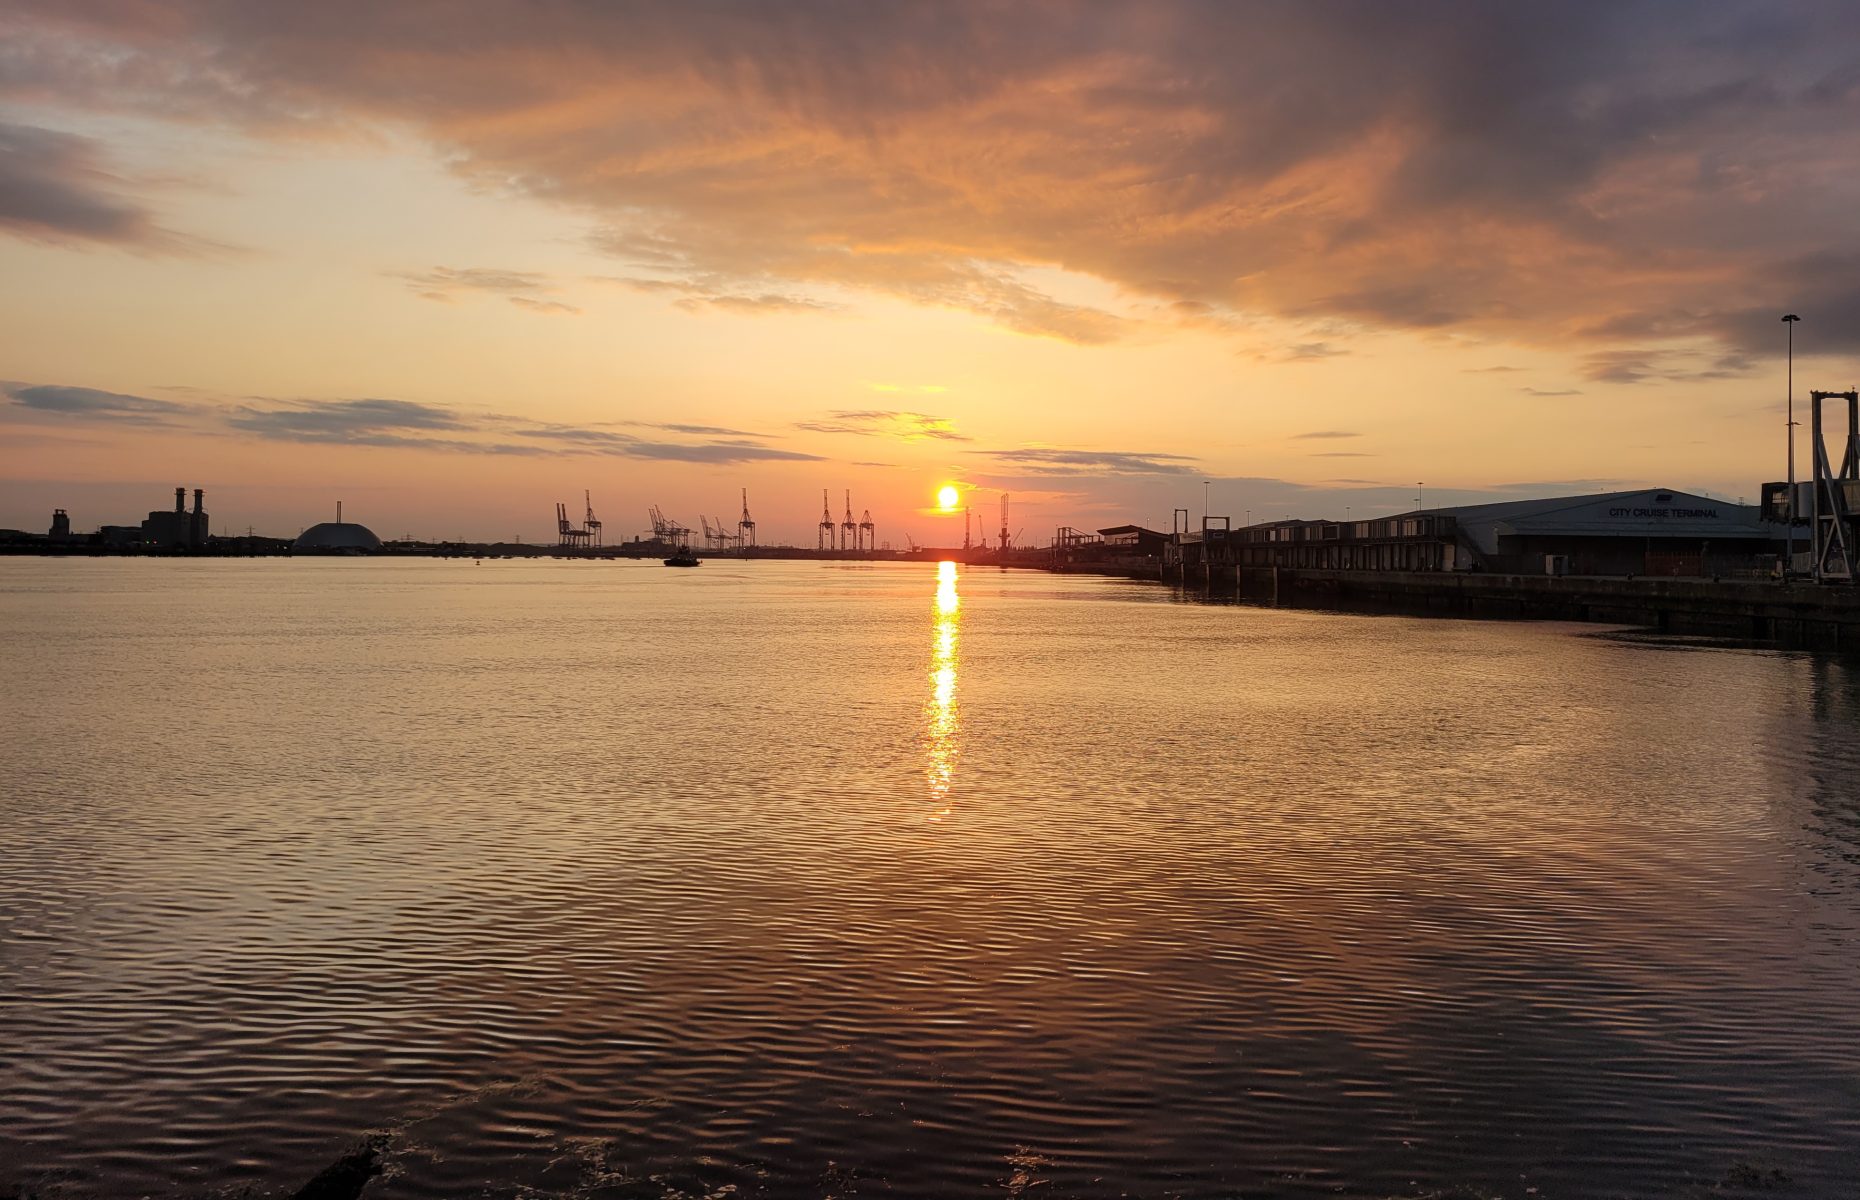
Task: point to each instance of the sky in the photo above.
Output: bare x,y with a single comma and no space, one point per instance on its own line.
452,263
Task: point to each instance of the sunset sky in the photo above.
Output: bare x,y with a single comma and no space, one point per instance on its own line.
452,263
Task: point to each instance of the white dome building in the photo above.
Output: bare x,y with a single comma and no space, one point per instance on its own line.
337,537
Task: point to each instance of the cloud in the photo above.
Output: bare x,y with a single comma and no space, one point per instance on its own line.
606,441
906,426
525,289
717,452
1642,364
1531,391
550,307
53,187
1344,454
1041,461
1325,433
701,296
671,427
92,404
1499,370
1311,351
407,424
367,422
1558,175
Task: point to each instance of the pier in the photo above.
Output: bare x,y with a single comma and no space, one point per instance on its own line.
1797,614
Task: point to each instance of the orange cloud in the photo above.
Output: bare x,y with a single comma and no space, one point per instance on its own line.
1548,174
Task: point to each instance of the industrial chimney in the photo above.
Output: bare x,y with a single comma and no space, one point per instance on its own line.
199,495
180,499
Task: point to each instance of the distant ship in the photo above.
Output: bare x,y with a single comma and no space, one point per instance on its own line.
683,558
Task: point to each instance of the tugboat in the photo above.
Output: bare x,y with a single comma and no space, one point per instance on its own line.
682,558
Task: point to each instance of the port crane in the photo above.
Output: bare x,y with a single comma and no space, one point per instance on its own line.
668,531
566,534
718,537
590,523
826,522
745,527
849,528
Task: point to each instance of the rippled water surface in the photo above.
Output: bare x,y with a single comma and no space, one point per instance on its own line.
822,880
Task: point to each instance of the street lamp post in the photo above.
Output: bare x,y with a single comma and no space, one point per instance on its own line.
1789,321
1204,503
1417,496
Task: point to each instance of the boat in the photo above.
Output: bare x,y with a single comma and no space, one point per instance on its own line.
684,558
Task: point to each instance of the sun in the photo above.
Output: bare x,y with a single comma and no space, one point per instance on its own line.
947,497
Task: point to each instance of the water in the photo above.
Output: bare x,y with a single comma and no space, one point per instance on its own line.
578,880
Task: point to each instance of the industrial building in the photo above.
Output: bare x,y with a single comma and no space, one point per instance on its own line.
180,529
336,537
1654,531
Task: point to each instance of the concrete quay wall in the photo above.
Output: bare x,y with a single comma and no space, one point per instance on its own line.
1793,614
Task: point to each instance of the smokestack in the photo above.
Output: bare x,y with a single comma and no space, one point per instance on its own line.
199,495
338,512
180,499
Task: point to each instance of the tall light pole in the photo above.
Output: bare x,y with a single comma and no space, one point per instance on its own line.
1204,504
1417,496
1789,321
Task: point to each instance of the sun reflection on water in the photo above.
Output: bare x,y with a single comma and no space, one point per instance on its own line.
941,730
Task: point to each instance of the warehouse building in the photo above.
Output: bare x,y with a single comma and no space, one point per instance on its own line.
1655,531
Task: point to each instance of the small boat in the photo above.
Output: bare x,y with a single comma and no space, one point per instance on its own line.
682,559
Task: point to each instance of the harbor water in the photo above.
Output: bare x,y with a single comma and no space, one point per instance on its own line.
579,879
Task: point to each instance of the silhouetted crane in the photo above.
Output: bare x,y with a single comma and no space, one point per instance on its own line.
745,528
566,534
668,531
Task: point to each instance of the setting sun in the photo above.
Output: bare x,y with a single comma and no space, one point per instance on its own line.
947,497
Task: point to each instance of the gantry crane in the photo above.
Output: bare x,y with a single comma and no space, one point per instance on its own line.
566,534
745,528
668,531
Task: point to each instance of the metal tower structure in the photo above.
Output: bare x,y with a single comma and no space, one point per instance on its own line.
826,522
668,531
745,527
1003,543
591,523
1836,493
868,533
849,528
965,527
566,534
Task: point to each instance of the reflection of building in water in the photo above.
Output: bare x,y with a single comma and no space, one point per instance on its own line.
941,730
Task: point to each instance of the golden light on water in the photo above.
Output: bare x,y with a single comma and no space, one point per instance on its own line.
941,730
946,599
947,498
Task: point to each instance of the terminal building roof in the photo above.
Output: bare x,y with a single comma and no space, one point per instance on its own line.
1648,512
